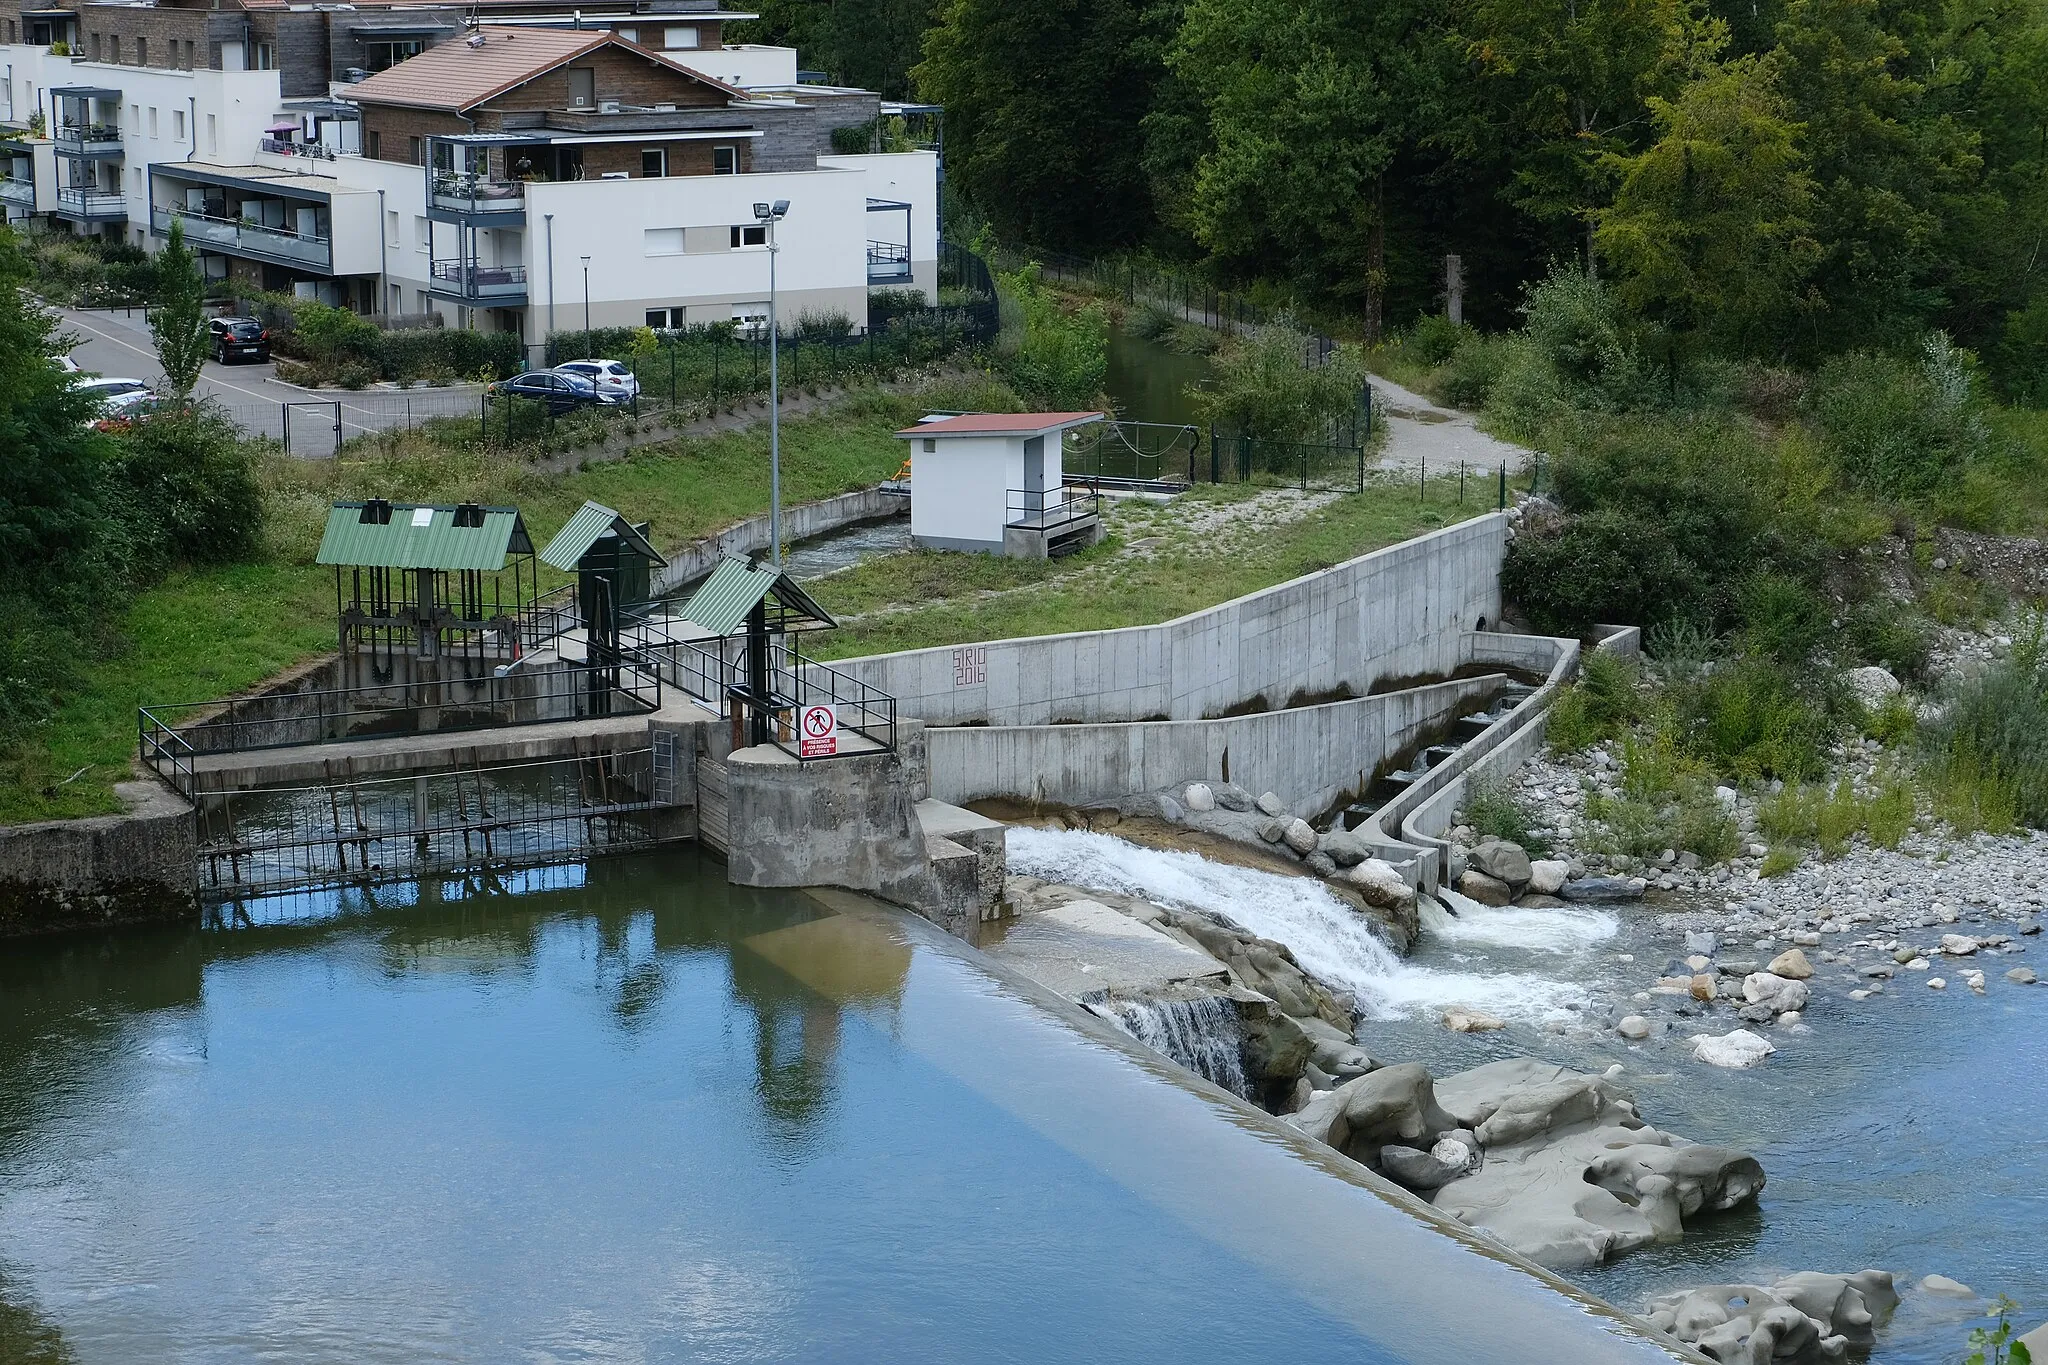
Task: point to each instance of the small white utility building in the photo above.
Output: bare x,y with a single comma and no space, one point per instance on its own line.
993,482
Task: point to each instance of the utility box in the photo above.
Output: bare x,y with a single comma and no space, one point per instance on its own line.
994,483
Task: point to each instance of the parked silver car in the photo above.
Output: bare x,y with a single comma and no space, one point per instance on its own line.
615,381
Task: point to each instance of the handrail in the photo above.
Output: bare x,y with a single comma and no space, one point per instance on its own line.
617,686
1049,509
794,682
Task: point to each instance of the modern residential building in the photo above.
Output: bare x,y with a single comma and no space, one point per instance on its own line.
502,164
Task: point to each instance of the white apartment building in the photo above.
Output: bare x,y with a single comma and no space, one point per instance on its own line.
521,174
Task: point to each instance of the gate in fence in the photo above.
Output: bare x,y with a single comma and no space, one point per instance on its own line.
316,414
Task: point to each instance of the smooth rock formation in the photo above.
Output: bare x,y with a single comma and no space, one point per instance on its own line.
1738,1050
1572,1175
1232,797
2021,976
1792,965
1943,1285
1460,1020
1394,1106
1417,1170
1547,876
1804,1319
1487,890
1605,890
1503,861
1198,797
1958,945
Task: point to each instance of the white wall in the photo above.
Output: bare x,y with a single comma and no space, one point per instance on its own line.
911,178
746,65
630,229
957,492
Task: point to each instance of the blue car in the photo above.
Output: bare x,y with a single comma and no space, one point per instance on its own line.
561,392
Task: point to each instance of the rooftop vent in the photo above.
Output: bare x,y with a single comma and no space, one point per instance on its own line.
469,514
376,512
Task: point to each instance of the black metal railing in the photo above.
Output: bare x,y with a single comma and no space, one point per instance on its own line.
1049,509
1306,465
481,281
714,673
174,735
1132,452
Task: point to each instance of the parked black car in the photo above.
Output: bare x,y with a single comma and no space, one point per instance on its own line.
239,339
561,392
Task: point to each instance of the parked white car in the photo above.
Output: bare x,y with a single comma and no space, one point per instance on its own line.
65,364
114,396
615,381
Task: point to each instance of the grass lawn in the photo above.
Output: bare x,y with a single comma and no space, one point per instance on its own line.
1160,561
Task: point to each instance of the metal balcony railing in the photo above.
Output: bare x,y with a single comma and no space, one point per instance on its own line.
92,204
82,139
888,261
284,146
1049,509
235,238
462,193
481,281
18,189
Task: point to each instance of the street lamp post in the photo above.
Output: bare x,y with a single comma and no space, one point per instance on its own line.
769,215
586,307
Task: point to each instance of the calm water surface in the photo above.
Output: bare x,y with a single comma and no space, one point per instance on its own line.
645,1116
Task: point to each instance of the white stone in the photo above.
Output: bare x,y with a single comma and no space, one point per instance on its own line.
1272,805
1199,797
1459,1020
1634,1027
1739,1050
1547,876
2021,976
1958,945
1871,685
1942,1284
1935,983
1300,836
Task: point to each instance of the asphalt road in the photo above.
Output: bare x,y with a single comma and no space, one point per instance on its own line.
117,344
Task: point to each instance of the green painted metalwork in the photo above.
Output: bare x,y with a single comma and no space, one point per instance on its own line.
423,537
721,605
593,522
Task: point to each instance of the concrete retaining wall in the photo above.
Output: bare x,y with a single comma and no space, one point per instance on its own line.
1396,612
106,870
697,559
1309,755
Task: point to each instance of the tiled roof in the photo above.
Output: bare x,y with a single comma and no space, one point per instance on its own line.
457,75
1001,424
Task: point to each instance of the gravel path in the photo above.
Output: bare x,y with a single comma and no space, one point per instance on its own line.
1422,435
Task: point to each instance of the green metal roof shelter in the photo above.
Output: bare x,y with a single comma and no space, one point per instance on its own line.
593,523
398,535
613,561
726,599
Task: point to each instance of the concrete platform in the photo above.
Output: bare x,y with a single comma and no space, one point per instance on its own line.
1083,946
305,763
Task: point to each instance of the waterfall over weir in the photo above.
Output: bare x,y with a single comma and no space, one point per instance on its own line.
1326,935
1201,1033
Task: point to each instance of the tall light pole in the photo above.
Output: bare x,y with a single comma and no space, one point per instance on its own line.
769,215
586,307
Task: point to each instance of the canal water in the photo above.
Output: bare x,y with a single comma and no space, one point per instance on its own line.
1901,1133
1149,381
624,1111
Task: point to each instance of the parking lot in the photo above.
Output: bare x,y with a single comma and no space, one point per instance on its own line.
117,343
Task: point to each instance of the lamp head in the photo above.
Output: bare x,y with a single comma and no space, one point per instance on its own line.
762,211
781,207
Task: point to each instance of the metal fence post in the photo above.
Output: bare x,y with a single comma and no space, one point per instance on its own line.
1503,485
285,419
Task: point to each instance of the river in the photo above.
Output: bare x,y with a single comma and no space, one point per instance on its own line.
1901,1133
624,1111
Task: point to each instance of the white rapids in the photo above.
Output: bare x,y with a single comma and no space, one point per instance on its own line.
1327,936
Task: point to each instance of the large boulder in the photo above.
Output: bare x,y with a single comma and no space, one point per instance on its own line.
1393,1106
1804,1319
1738,1050
1276,1051
1605,890
1345,848
1572,1176
1487,890
1199,797
1774,992
1269,804
1792,965
1379,885
1871,685
1547,876
1502,861
1230,796
1264,966
1300,836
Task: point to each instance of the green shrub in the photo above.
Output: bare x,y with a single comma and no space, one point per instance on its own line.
1603,566
1986,751
1891,634
1264,386
1897,427
1466,377
1150,322
1754,719
1494,812
1782,618
1888,815
885,305
1778,862
437,355
1062,357
187,486
831,325
334,336
1435,339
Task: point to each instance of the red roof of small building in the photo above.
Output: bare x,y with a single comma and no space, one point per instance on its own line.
1001,424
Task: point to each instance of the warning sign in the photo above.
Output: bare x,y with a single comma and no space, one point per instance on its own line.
820,726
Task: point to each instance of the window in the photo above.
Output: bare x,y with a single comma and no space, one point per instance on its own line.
665,319
679,35
383,55
422,234
631,35
391,227
95,47
373,144
152,120
266,57
756,235
664,241
417,159
178,124
654,162
725,161
114,48
582,86
142,52
212,132
750,318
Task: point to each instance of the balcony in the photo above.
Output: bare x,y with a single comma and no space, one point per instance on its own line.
224,236
492,286
88,139
887,262
18,191
91,206
476,196
284,146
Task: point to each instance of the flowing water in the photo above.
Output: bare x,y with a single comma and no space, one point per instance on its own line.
1203,1034
624,1111
1902,1132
